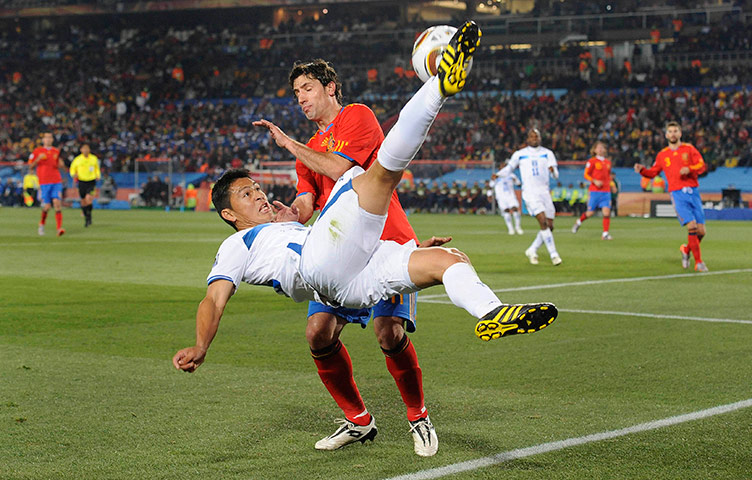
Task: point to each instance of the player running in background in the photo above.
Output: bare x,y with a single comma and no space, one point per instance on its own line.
346,137
598,173
85,169
297,261
46,159
506,198
682,163
535,163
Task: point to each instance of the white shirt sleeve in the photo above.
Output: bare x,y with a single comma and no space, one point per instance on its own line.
229,264
512,164
553,165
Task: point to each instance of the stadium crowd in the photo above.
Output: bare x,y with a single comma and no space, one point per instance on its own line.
190,93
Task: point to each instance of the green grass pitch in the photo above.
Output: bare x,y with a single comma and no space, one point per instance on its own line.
89,323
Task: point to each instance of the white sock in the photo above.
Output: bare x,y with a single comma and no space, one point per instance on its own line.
548,240
537,242
466,290
516,216
508,220
407,135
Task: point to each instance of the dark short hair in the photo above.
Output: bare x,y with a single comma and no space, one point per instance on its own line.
673,124
220,193
320,70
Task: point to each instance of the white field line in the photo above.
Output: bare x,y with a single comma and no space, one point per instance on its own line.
655,315
600,282
570,442
631,314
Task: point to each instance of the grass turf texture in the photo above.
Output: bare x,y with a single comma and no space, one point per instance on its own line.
90,321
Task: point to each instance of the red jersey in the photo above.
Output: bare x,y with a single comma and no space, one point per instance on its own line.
671,161
356,135
598,169
47,170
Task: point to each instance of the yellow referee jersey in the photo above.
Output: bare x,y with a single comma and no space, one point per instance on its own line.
85,168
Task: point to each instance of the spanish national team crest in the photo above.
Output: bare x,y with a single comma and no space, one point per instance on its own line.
685,156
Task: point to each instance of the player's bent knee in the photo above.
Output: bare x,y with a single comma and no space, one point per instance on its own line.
389,331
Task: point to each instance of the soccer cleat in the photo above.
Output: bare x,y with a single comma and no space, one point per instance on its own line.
519,231
532,256
40,230
684,250
424,436
60,232
456,57
348,433
576,226
556,260
511,232
700,267
606,236
514,319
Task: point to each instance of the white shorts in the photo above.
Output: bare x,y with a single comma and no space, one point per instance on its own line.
507,202
539,201
343,258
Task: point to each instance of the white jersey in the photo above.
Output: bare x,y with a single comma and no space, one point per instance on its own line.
267,254
339,260
504,183
534,164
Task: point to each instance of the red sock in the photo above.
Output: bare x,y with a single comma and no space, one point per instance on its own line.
44,218
59,220
606,223
402,363
694,245
583,217
335,370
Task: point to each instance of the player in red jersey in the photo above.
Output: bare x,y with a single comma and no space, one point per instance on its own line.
46,159
598,173
682,163
347,136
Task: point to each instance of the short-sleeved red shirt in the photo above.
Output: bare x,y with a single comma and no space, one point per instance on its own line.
671,161
47,170
599,169
356,135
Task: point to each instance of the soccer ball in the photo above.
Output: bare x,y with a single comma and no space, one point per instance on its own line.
428,48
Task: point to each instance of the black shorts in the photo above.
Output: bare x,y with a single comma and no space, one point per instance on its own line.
85,188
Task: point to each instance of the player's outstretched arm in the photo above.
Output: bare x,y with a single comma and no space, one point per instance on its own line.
207,322
323,163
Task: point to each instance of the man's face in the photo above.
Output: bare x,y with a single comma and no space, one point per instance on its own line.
673,135
313,97
533,138
85,150
47,140
600,150
250,206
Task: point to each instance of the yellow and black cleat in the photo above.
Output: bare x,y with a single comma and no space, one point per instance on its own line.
515,319
455,61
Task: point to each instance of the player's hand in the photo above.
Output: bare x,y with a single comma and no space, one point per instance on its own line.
434,242
285,213
597,183
638,167
188,359
277,134
684,171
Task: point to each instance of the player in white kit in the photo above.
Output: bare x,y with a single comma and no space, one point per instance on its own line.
271,248
536,163
506,198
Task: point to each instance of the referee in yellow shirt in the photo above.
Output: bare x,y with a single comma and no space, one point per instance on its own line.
85,169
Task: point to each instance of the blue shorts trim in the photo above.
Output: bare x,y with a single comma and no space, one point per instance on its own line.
401,306
50,191
599,200
688,205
